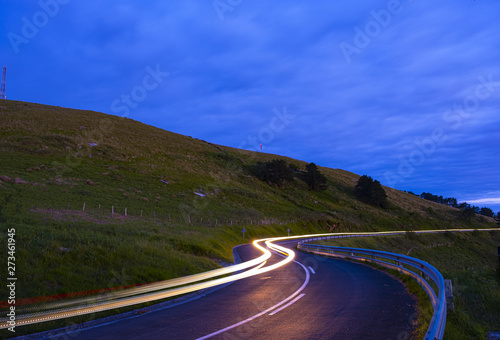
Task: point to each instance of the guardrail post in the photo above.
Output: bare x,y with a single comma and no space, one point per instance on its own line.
449,295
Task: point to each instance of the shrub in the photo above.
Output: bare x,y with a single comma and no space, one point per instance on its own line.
276,172
315,179
370,191
468,213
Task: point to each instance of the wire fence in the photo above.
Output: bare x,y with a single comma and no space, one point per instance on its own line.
109,212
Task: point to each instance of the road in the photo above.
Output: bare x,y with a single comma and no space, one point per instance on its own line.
312,298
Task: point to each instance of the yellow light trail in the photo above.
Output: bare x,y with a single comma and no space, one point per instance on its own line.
148,293
183,285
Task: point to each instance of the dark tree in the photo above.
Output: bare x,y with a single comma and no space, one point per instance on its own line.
463,205
370,191
314,178
486,212
468,213
276,172
450,201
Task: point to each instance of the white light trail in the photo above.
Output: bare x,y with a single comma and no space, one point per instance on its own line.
183,285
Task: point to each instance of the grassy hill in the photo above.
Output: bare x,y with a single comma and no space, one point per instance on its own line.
67,176
70,157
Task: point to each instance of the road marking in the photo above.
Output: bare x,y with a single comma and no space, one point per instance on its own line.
312,270
306,281
288,304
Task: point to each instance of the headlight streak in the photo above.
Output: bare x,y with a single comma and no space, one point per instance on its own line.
280,305
151,292
156,285
98,304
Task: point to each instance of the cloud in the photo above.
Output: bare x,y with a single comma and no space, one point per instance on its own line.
492,200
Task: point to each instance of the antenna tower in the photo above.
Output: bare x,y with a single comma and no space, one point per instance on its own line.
2,89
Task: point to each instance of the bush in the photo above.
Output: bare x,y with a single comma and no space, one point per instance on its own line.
467,214
315,179
276,172
370,191
486,212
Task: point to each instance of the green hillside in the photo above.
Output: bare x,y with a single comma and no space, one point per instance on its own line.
140,167
63,172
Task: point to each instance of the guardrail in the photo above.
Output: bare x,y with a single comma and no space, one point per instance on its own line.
421,271
196,282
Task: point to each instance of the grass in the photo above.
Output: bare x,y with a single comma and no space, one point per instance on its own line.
470,260
54,160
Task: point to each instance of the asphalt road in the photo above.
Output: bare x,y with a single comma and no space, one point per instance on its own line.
335,299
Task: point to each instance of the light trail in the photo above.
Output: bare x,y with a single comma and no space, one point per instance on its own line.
270,310
185,280
153,292
183,285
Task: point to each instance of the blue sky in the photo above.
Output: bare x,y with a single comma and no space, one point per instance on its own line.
407,92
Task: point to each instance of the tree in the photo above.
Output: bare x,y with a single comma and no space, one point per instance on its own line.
370,191
450,201
486,212
468,213
276,172
463,205
314,178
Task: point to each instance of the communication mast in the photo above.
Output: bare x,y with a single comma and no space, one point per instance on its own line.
2,89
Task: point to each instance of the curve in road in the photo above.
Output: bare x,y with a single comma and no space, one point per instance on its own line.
311,298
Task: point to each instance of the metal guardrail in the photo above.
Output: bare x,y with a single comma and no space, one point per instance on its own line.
186,284
421,271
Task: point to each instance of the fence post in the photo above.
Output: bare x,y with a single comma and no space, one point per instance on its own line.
125,212
83,206
112,210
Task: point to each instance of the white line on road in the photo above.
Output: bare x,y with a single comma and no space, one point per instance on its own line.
270,308
288,304
312,270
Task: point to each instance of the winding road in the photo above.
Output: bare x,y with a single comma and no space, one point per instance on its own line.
312,297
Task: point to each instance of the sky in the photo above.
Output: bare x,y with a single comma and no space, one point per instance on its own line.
407,92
